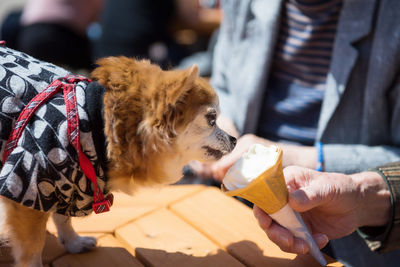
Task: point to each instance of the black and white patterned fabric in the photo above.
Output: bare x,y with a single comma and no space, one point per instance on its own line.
43,171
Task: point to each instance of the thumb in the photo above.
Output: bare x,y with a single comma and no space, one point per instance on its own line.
304,199
220,168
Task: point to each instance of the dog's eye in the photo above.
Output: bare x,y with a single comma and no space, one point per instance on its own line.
211,118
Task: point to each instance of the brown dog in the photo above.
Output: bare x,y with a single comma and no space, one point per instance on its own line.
154,123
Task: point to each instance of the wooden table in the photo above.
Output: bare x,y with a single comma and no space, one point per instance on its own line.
181,225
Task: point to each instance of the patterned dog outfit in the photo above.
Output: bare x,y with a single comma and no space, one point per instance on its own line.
43,171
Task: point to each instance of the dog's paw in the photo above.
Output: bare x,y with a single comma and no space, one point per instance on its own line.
80,244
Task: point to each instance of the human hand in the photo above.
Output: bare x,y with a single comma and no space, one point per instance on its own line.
305,156
333,205
218,169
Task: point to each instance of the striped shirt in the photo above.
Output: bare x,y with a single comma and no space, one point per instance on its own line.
301,62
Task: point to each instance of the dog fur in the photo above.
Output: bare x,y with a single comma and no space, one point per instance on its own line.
155,122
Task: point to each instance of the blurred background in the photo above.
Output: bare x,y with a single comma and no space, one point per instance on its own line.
74,33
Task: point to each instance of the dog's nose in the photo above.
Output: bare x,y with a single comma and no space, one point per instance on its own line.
232,140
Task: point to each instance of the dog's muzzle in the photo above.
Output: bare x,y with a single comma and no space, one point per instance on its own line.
232,141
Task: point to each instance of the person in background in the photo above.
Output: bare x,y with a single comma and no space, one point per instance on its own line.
130,27
335,205
56,31
164,31
318,77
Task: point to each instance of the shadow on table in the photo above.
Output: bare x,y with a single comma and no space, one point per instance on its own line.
54,255
244,253
251,255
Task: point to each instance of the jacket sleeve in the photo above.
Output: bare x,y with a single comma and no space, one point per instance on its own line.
347,158
387,238
357,158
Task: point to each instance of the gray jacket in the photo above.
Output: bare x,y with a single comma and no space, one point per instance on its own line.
360,120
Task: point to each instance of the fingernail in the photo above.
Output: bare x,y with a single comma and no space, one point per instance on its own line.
321,240
298,196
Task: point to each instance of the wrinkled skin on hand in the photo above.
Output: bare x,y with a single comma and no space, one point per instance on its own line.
333,205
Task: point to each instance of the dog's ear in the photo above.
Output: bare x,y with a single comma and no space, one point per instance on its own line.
183,86
167,103
176,99
114,72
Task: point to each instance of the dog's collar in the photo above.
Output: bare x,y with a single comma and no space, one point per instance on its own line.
94,95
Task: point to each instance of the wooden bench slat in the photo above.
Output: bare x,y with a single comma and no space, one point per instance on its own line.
109,253
105,222
231,225
149,239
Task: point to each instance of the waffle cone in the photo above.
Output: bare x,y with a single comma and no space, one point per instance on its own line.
268,191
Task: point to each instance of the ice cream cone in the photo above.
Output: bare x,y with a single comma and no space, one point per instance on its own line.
268,191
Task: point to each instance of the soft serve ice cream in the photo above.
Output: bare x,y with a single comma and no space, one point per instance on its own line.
258,177
250,166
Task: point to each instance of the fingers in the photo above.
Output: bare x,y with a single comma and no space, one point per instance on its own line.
305,199
291,244
321,240
264,220
215,170
304,192
278,234
199,169
283,237
300,201
243,144
220,167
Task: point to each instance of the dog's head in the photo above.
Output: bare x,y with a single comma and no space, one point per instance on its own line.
157,120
